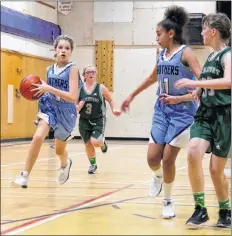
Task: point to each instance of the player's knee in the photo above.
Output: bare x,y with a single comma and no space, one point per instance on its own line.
59,151
192,153
96,142
38,138
154,160
168,162
215,172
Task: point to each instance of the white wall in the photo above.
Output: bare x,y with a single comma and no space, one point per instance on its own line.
29,46
131,24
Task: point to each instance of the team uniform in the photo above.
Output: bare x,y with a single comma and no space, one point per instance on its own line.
61,115
213,118
93,114
171,123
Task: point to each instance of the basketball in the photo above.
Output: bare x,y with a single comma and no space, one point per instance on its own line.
26,86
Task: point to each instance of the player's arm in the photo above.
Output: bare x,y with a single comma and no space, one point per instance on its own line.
80,105
108,97
220,83
191,60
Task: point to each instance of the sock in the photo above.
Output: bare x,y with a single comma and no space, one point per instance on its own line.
92,160
159,172
224,204
199,199
168,190
25,173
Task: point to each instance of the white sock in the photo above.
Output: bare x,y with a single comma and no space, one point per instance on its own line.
25,173
159,172
168,190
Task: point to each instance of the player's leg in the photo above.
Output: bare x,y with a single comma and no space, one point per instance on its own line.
155,152
227,170
169,170
65,161
177,137
98,137
220,151
217,165
65,115
33,152
85,130
200,143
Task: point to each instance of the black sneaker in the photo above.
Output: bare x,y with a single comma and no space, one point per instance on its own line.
224,218
199,216
104,148
92,169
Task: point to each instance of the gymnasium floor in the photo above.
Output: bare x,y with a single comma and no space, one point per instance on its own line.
113,201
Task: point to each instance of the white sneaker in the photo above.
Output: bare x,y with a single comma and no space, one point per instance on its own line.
168,209
21,180
64,172
227,173
155,186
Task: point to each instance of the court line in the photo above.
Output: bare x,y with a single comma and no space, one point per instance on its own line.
147,217
42,220
111,202
39,221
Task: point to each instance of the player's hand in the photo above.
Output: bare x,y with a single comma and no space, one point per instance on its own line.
126,103
167,99
195,94
185,83
117,112
41,88
80,105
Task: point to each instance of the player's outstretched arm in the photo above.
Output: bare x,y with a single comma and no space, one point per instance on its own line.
108,97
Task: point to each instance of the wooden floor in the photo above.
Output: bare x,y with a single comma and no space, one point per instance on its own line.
113,201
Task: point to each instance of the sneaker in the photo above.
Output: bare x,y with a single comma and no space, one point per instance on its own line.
199,216
224,218
155,186
64,172
21,180
92,169
104,148
168,209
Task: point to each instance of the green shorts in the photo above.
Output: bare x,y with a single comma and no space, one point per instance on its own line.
92,128
214,125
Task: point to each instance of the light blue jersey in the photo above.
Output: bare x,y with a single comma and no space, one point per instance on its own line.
169,71
170,121
60,114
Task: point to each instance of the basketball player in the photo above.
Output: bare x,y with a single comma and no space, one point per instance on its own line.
57,110
80,84
211,131
174,109
92,110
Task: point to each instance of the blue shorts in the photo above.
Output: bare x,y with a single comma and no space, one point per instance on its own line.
170,128
60,116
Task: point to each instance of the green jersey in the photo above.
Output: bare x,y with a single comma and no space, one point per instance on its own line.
95,106
214,69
